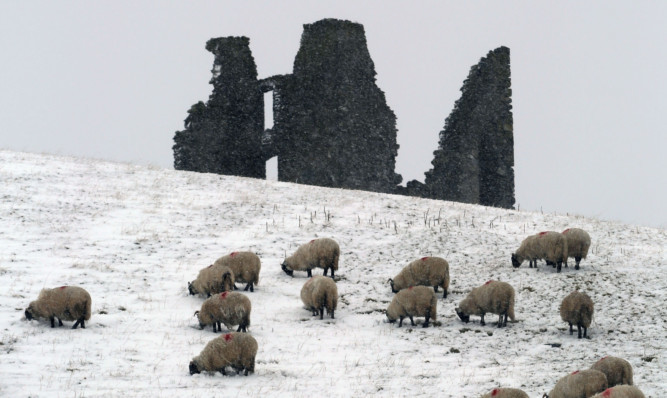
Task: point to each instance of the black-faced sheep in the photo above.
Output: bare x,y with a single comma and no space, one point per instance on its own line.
245,266
494,296
578,242
577,309
318,293
66,303
617,370
579,384
237,350
621,391
318,253
230,308
411,302
505,393
427,271
211,280
549,246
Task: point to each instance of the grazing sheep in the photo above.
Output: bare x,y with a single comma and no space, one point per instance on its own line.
506,393
245,266
237,350
617,370
69,303
579,384
621,391
411,302
318,293
322,253
212,279
427,271
494,296
577,309
528,250
578,242
549,246
230,308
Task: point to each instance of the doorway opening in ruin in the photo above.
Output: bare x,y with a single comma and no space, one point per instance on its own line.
272,163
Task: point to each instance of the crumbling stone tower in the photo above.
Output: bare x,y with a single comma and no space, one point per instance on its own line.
224,135
474,162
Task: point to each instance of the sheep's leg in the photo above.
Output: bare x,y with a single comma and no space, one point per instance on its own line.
83,323
558,267
584,332
53,321
252,289
332,273
412,321
578,331
571,331
321,312
435,288
577,260
332,314
78,321
481,322
400,322
428,316
247,287
444,293
325,271
310,273
222,370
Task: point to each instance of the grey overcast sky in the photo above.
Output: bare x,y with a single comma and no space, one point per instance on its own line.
114,80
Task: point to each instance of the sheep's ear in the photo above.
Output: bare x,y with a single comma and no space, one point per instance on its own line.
196,313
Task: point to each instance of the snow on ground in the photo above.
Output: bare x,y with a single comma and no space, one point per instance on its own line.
133,236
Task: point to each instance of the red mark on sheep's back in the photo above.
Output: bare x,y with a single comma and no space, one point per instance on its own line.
223,295
487,282
494,392
543,233
232,254
424,258
312,241
566,231
62,287
607,393
228,337
411,287
602,359
575,372
210,266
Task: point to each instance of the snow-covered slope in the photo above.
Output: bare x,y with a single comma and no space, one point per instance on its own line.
134,236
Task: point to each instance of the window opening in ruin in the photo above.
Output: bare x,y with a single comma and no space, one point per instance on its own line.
268,110
272,169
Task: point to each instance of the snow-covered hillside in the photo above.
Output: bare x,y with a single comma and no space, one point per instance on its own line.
134,236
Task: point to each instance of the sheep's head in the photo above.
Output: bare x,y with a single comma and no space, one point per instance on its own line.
391,283
286,269
191,289
201,325
29,312
193,368
390,318
515,261
465,318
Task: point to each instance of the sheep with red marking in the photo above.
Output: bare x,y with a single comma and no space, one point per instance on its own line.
245,266
577,309
318,293
578,242
65,303
411,302
318,253
505,393
211,280
237,350
579,384
617,370
622,391
426,271
229,308
549,246
494,296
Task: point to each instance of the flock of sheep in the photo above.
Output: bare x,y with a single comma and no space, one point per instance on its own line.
415,287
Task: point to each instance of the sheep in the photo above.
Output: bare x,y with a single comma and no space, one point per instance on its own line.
527,251
69,303
237,350
579,384
323,253
621,391
318,293
617,370
577,309
411,302
211,280
494,296
549,246
506,393
245,266
230,308
578,242
427,271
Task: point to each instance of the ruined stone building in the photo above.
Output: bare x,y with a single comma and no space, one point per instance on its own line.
332,125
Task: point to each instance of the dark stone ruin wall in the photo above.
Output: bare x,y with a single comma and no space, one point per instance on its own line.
224,135
474,162
332,125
